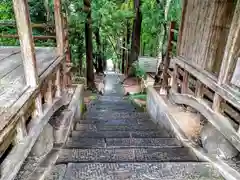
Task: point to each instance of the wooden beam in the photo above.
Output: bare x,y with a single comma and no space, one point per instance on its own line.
231,48
59,27
209,81
34,37
26,41
33,25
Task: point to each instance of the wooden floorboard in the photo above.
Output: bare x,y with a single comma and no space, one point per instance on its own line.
12,80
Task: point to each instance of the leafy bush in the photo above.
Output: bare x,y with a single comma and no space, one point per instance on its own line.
138,71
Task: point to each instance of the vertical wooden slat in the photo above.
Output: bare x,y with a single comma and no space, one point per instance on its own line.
58,83
230,50
174,78
167,59
49,97
21,130
185,82
26,41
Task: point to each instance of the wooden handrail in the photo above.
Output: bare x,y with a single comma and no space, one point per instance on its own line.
33,25
221,123
35,37
210,81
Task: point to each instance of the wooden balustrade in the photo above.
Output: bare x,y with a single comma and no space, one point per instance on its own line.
23,122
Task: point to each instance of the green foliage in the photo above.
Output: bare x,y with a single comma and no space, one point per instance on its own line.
109,16
138,71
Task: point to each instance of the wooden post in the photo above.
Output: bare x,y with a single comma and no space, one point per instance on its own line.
26,41
27,46
49,97
167,59
59,27
21,130
231,48
58,83
174,78
184,5
185,82
60,41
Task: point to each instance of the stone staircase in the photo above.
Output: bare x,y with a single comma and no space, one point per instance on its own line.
115,142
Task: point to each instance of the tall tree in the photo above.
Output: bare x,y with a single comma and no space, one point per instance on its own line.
99,55
136,33
89,45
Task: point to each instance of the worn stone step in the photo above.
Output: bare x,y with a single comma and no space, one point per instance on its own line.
124,127
118,115
127,155
123,143
119,127
135,171
111,109
142,143
121,122
85,143
120,134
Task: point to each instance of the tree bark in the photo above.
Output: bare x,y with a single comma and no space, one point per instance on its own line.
123,54
128,45
136,34
89,46
99,56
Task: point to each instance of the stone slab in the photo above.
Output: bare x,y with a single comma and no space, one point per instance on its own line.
129,127
96,155
101,134
86,143
164,155
85,127
142,143
127,155
141,171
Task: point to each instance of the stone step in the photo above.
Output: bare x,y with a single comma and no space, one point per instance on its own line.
126,122
75,142
135,171
118,115
120,127
120,134
126,155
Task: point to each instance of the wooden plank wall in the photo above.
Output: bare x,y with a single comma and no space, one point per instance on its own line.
205,30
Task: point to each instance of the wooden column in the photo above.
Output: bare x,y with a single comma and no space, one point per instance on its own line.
26,41
27,46
167,60
184,5
231,49
60,44
59,27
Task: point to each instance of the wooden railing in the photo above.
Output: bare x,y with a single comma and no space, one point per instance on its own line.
208,94
22,123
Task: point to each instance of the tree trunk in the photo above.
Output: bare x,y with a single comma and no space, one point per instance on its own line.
128,46
123,54
136,34
99,56
89,46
